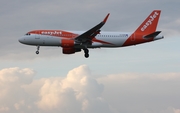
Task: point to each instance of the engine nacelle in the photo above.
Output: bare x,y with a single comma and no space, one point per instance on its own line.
68,46
68,50
67,43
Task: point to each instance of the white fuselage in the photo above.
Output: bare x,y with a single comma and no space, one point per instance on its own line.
113,39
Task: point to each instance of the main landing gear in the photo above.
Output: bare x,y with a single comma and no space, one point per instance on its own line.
86,52
37,52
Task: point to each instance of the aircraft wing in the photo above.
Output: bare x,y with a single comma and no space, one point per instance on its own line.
87,36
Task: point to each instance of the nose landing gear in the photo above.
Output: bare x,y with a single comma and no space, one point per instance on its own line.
37,52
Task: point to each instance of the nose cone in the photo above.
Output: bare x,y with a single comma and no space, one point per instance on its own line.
21,40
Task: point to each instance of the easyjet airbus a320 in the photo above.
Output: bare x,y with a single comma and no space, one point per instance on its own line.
75,41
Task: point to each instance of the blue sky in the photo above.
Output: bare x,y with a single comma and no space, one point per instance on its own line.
111,80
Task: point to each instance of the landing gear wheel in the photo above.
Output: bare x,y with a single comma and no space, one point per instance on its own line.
37,52
86,53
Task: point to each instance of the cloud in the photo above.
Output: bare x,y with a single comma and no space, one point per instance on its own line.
12,95
176,110
78,92
139,93
24,75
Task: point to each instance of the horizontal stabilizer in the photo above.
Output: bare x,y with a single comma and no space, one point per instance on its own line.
152,34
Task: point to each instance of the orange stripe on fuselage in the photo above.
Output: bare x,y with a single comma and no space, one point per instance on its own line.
136,39
61,33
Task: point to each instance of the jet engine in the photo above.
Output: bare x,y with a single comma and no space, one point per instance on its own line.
68,46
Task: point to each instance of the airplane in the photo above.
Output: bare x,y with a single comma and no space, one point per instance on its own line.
75,41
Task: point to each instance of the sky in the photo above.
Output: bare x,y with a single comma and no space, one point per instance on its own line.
141,79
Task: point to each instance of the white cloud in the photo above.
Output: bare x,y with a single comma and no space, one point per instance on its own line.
128,77
176,110
16,75
12,95
139,93
79,92
4,109
76,93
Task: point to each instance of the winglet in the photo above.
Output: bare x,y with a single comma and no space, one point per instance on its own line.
105,19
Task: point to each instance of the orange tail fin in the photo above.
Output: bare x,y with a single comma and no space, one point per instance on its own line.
150,23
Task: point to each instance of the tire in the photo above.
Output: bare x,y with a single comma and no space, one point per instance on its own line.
86,55
37,52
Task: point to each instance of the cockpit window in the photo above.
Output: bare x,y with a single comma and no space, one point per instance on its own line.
28,34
